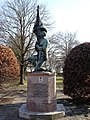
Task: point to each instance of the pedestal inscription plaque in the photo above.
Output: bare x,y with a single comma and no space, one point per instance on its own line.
41,92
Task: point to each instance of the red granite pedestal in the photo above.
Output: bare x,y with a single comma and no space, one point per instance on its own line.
41,92
41,98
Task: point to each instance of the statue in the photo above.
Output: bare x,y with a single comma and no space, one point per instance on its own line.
41,48
41,44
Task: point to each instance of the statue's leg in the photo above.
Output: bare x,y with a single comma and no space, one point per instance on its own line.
40,61
38,65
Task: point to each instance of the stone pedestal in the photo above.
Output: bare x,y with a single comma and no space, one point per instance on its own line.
41,98
41,92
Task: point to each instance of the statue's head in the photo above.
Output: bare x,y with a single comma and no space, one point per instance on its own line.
41,28
41,31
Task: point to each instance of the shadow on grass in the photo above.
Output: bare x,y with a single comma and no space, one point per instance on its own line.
10,111
75,107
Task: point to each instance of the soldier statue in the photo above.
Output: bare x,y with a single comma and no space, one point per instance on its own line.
41,44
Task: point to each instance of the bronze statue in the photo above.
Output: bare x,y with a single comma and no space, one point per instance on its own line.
41,44
41,48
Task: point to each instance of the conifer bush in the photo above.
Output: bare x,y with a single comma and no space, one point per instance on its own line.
9,67
76,72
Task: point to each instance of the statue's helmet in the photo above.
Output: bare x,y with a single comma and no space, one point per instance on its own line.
40,31
42,28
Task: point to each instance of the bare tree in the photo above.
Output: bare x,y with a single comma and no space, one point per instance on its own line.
66,41
60,45
19,17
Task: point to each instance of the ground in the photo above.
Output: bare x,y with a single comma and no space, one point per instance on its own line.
11,101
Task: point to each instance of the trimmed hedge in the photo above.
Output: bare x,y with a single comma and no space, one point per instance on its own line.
76,72
9,67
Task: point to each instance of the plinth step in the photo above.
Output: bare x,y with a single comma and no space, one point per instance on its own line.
29,115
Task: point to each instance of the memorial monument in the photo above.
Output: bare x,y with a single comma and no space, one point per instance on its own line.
41,88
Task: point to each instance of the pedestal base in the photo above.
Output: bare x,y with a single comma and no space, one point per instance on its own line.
55,115
41,92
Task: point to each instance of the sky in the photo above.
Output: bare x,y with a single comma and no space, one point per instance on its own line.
70,16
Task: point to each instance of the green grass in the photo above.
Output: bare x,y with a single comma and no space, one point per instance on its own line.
59,82
59,79
25,82
20,86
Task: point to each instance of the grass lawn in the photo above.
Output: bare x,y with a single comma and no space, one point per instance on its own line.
59,83
59,79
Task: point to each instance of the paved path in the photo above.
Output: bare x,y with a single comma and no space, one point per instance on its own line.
10,104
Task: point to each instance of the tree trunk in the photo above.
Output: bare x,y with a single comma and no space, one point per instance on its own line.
22,70
21,74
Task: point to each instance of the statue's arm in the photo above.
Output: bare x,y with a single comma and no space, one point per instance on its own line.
45,45
38,47
42,46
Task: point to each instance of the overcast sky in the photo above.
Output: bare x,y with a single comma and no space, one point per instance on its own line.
71,16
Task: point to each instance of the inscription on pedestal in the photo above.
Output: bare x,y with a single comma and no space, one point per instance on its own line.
40,90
